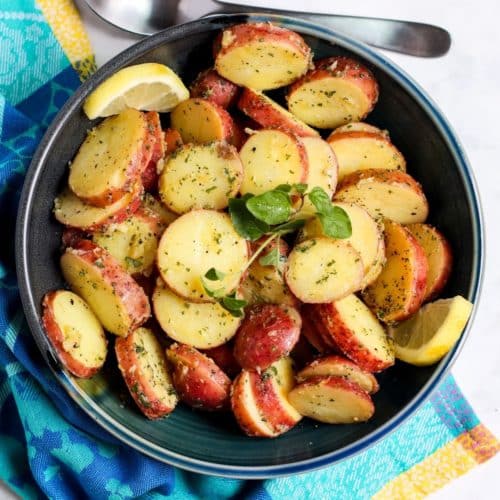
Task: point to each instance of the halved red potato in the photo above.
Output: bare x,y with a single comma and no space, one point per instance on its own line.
439,257
269,114
358,127
143,365
211,86
224,358
159,209
338,90
116,299
73,212
388,194
367,238
310,330
199,382
357,333
322,172
192,245
332,400
109,162
172,140
358,150
200,325
153,151
400,288
201,121
262,56
323,269
201,176
133,242
270,158
270,391
268,332
265,284
245,408
339,366
71,235
74,332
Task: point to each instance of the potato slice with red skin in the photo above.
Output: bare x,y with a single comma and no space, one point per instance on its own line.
338,90
213,87
73,212
154,205
439,257
223,357
358,150
339,366
74,332
199,382
261,56
201,121
315,330
357,333
143,365
110,160
116,299
332,400
269,114
323,269
270,158
266,334
400,288
71,235
388,194
358,127
153,152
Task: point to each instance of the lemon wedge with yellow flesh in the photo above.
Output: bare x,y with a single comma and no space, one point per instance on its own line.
429,334
147,87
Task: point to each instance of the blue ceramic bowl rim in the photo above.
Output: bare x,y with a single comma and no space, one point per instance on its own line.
271,471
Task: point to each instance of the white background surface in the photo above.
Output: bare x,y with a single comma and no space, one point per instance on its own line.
465,84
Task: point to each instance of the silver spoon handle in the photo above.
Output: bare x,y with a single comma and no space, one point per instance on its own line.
407,37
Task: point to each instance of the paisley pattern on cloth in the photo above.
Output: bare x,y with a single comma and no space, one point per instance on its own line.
48,446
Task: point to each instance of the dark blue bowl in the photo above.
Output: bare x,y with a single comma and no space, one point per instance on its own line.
212,443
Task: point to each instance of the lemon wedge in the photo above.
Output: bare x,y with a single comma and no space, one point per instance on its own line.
429,334
147,87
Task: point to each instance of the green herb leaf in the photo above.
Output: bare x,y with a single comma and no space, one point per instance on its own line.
300,188
233,305
286,188
133,262
247,226
289,227
271,207
337,224
214,275
320,200
272,258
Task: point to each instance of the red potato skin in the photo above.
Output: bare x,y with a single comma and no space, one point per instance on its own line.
266,334
199,382
268,116
334,359
124,286
71,235
346,339
224,358
56,338
213,87
318,331
357,134
138,386
346,68
269,404
310,332
172,139
153,151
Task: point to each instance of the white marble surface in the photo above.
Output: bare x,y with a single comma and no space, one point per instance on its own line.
465,84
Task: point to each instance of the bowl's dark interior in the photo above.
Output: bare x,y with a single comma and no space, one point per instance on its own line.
215,437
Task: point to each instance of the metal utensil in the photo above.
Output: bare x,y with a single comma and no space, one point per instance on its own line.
146,17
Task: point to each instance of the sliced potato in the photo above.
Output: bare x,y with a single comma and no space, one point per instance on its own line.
359,150
109,161
200,325
310,330
74,332
388,194
439,257
400,288
201,121
116,299
192,245
143,365
269,114
159,209
357,333
213,87
201,176
270,158
323,269
153,151
332,400
71,211
223,357
261,56
358,127
338,90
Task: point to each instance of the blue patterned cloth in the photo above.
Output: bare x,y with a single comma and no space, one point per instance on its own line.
48,446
